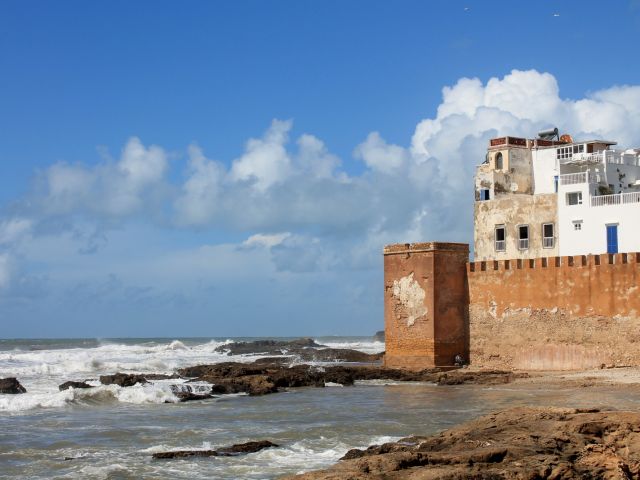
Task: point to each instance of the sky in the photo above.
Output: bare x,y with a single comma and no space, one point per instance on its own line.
234,168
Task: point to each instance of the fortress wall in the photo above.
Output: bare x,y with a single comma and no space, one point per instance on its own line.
425,301
555,313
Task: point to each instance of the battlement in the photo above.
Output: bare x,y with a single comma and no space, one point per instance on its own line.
575,261
400,248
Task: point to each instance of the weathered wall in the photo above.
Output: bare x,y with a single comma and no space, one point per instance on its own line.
555,313
511,211
425,302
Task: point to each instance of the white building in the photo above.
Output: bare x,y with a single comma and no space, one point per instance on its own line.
543,197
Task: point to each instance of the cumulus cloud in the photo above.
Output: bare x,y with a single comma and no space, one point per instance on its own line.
112,189
333,219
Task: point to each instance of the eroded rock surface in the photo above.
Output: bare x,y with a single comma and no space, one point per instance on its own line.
520,443
72,384
260,378
304,349
232,451
11,385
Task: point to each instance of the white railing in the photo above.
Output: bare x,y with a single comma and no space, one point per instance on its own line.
618,199
523,243
619,158
547,242
501,245
576,178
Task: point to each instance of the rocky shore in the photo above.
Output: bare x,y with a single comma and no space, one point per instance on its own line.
520,443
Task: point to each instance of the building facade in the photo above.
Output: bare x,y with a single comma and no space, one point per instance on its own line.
547,198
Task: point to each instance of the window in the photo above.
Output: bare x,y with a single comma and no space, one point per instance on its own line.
574,198
523,237
577,225
484,194
499,163
547,235
500,238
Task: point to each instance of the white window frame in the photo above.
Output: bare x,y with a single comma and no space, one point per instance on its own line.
500,245
548,242
578,196
523,243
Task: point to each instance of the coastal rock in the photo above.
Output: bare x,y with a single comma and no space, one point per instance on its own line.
11,385
130,379
267,346
72,384
379,336
262,378
522,442
233,450
122,379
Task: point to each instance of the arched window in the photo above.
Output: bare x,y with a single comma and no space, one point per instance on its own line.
499,161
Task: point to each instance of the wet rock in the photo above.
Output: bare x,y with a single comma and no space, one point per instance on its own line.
123,379
337,355
262,378
267,346
516,443
72,384
130,379
11,385
233,450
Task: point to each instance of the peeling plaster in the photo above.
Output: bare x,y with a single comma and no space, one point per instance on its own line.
411,296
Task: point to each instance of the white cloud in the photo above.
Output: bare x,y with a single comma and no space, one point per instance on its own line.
5,271
198,201
263,240
265,161
379,155
14,229
115,190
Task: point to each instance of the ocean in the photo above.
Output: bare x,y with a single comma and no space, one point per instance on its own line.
110,432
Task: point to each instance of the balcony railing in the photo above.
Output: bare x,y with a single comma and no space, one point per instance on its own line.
618,199
576,178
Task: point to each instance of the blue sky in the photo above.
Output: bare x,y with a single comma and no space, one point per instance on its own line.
234,168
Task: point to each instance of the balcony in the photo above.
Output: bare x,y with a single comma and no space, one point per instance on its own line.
577,178
618,199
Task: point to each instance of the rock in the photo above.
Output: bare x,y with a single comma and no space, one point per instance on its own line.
521,442
130,379
122,379
233,450
267,346
337,355
11,385
379,336
72,384
262,378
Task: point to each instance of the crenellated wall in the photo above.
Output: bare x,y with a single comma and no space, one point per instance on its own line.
556,313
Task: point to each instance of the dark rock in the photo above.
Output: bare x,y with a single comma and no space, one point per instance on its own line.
123,379
233,450
279,347
72,384
11,386
379,336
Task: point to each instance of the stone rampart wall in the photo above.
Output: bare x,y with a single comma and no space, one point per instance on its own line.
555,313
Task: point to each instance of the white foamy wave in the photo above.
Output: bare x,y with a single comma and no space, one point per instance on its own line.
362,346
148,393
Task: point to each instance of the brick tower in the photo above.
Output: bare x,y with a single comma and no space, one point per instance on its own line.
426,304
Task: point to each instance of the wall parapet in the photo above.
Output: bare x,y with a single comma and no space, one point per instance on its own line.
423,247
572,261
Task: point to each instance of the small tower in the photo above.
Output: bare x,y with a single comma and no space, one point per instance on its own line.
426,304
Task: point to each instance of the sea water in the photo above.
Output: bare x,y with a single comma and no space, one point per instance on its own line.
112,432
